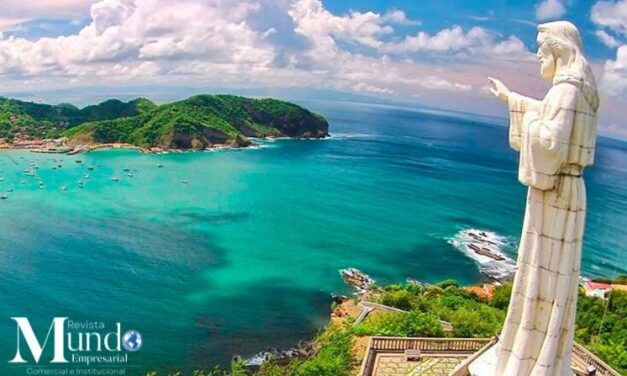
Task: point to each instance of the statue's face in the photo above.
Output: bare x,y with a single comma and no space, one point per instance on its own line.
547,69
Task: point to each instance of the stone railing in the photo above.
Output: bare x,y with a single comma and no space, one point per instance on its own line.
585,358
582,358
452,346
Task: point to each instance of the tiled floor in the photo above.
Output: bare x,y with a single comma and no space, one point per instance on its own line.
395,365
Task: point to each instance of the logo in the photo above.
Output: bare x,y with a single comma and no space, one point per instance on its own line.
71,342
132,340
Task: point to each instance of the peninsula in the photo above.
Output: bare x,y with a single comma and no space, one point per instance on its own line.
196,123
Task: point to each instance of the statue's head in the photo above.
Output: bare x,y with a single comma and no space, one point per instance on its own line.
559,47
561,53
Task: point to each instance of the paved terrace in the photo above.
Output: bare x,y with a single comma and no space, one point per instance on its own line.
388,356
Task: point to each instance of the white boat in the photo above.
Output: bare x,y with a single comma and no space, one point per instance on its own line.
115,178
4,196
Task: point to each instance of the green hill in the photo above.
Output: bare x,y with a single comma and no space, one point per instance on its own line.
37,120
194,123
205,120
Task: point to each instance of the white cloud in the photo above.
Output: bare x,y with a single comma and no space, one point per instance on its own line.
344,70
453,39
477,40
234,43
140,31
434,82
9,24
607,39
15,12
550,9
396,16
610,14
321,26
614,77
363,87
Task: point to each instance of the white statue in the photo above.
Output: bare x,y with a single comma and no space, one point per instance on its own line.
556,140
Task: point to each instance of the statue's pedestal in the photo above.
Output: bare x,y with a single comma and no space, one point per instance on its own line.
485,364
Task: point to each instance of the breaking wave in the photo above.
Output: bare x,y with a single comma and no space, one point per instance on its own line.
492,258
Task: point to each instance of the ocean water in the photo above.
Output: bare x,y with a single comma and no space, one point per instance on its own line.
244,255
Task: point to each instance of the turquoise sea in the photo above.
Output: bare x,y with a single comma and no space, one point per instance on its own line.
244,256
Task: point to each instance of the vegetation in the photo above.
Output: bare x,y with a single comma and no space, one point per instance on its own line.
602,332
36,120
193,123
602,326
412,324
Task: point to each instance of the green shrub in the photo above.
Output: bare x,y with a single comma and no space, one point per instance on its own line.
411,324
401,299
334,357
448,283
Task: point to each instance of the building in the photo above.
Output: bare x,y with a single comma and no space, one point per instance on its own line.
597,289
601,289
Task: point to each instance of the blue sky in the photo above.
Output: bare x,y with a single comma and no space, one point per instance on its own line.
432,53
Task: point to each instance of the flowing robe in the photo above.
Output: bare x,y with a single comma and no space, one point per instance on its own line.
556,140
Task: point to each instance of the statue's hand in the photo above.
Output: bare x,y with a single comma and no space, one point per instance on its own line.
499,89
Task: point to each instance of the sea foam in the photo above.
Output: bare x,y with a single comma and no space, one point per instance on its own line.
497,244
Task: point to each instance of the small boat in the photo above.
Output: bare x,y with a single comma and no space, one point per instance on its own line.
130,174
159,166
86,176
63,188
4,196
9,189
78,161
127,170
42,187
115,178
185,181
80,184
1,178
59,166
22,182
90,168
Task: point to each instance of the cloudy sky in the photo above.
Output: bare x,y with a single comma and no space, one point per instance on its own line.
432,53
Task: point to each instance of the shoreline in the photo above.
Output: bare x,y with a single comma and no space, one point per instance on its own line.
80,149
